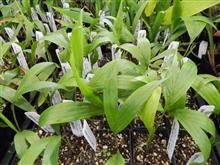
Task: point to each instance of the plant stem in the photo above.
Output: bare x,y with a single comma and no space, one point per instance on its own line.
14,116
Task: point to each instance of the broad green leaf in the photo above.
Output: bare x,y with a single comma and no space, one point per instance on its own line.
49,144
134,51
149,9
74,13
101,39
197,123
8,94
194,27
26,6
208,92
69,111
148,113
124,67
156,25
76,62
110,96
7,122
145,48
190,8
77,48
116,159
22,139
58,38
119,20
3,49
51,153
31,81
176,14
178,82
163,54
138,14
133,104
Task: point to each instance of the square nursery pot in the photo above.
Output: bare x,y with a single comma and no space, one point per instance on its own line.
7,150
132,144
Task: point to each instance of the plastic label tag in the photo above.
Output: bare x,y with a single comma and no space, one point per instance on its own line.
115,55
33,116
21,59
174,45
10,33
173,138
42,16
139,26
76,126
89,76
185,59
142,34
203,46
89,136
69,35
34,15
86,67
207,109
51,21
47,27
167,34
65,66
197,158
39,35
56,99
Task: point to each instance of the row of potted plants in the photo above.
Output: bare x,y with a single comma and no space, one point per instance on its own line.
114,80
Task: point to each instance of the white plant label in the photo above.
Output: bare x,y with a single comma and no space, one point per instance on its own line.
173,138
89,76
115,55
174,45
139,26
207,109
69,35
10,33
56,99
167,34
196,158
66,6
185,59
39,35
142,34
203,46
76,126
34,15
47,27
89,136
51,21
86,67
21,59
33,116
65,66
42,16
